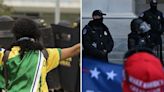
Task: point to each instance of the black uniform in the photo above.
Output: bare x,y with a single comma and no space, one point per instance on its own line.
136,40
155,18
97,40
139,36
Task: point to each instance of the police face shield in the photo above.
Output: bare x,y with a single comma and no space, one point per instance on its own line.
143,41
139,26
144,27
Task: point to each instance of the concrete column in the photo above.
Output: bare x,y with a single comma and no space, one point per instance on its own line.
57,12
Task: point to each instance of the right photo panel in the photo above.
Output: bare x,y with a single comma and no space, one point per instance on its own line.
123,45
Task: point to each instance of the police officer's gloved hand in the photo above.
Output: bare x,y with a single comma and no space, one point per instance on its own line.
102,55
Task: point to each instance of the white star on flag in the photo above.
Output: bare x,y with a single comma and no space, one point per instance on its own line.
94,73
111,75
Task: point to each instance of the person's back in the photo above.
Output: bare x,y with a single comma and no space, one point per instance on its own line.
28,62
24,73
25,61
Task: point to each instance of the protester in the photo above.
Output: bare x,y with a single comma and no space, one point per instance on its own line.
143,72
26,63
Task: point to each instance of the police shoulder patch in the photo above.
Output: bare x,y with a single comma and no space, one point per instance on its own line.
141,15
84,31
105,33
159,17
94,44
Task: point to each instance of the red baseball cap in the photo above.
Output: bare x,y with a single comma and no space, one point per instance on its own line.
143,72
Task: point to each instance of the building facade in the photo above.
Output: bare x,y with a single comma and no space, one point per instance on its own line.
69,9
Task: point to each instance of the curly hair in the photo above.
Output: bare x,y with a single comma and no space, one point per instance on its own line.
26,28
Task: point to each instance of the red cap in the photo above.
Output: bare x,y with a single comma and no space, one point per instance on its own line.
143,72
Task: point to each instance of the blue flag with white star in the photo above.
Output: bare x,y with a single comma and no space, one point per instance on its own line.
98,76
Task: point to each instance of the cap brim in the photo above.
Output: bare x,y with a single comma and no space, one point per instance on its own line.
103,14
100,14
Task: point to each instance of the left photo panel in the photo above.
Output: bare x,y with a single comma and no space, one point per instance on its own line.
40,45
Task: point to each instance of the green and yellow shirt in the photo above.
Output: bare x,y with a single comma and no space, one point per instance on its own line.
23,72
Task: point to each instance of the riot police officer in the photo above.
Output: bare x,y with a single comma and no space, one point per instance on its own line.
155,18
139,36
97,41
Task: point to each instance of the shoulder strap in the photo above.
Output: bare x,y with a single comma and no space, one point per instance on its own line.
5,72
45,53
6,55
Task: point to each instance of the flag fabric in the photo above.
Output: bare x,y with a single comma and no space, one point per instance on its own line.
98,76
24,78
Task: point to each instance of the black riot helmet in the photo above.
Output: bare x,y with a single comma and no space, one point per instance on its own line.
153,5
139,26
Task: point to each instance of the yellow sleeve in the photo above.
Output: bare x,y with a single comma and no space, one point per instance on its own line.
1,55
53,58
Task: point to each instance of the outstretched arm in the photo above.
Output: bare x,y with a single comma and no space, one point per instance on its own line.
70,51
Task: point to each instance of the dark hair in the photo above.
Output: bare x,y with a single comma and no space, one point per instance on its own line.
26,27
135,50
